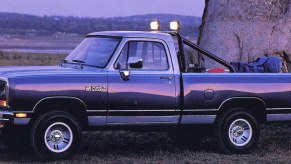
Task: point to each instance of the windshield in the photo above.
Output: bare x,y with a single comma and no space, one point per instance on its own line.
94,51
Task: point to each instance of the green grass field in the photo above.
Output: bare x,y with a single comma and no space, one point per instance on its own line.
26,59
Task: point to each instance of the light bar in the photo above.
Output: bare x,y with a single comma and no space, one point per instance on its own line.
155,25
175,25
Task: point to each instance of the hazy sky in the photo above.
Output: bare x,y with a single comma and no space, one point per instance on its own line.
102,8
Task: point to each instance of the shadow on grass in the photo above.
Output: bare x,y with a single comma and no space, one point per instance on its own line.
126,142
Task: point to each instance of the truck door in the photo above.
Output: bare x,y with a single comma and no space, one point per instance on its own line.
148,96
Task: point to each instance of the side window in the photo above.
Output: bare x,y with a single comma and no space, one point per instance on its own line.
199,63
153,55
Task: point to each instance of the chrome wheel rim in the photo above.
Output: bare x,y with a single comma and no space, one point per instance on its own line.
240,132
58,137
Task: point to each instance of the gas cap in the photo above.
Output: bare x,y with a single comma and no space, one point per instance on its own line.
208,94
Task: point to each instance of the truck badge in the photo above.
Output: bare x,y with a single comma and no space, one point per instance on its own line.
95,88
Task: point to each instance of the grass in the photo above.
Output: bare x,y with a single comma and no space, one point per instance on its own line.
153,147
26,59
132,147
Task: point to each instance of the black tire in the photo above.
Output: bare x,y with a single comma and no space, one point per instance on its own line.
59,129
236,131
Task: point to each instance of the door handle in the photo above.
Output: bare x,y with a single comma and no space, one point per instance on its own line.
166,77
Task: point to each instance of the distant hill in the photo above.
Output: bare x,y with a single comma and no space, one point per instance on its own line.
23,24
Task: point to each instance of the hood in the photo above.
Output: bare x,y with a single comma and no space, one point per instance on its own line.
24,71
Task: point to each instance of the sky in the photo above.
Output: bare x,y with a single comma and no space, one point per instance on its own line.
102,8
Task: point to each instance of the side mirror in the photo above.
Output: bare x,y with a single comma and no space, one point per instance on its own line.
125,74
135,62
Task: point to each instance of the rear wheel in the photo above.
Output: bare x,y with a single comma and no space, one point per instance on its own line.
237,131
55,135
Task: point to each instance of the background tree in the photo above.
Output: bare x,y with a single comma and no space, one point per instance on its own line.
244,30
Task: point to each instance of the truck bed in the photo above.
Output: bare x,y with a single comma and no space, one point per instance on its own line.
205,94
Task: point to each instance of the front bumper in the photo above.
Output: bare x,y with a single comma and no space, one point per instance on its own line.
6,118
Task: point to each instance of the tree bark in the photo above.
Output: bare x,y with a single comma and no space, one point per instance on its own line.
242,31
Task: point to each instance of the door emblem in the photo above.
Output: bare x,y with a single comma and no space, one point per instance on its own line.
95,89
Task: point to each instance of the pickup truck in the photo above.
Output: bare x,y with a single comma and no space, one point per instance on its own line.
123,80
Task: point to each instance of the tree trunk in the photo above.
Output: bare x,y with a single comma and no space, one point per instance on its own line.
242,31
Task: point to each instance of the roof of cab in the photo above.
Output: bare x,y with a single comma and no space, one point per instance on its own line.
134,34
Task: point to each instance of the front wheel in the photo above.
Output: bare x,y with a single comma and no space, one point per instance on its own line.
55,135
237,131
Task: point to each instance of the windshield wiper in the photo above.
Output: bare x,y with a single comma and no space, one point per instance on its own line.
78,61
63,62
82,63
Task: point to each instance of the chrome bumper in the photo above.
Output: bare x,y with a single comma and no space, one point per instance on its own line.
6,118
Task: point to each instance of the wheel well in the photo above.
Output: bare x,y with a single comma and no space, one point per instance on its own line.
255,106
74,106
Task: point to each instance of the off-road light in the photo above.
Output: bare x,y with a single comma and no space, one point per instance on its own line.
20,115
155,25
175,25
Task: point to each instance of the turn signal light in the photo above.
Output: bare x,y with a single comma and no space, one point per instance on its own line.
21,115
3,103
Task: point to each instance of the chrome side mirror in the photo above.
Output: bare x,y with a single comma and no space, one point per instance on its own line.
125,74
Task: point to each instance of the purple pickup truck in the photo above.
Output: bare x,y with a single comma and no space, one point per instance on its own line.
133,80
